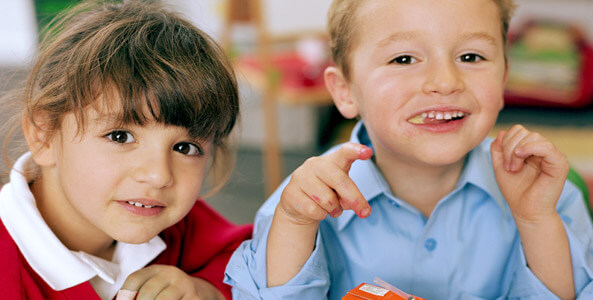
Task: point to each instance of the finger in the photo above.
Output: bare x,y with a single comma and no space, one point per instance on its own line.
299,207
126,295
138,278
152,287
348,154
349,195
323,196
546,156
509,144
172,293
496,151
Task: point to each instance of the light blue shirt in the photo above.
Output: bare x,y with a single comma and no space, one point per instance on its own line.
468,248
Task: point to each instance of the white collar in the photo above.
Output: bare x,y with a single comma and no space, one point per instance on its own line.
60,267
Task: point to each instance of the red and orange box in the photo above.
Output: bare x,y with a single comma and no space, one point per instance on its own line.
368,291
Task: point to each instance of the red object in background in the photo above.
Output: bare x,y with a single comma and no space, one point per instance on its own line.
543,95
290,70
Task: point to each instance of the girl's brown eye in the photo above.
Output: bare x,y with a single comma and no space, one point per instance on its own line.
120,137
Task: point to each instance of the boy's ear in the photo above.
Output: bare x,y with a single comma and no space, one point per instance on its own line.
339,88
37,139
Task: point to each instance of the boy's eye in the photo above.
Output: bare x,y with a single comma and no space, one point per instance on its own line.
188,149
403,60
120,137
470,57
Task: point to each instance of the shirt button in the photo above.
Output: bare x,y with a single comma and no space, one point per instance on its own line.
430,244
393,203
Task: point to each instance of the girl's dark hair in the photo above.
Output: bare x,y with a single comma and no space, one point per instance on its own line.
159,65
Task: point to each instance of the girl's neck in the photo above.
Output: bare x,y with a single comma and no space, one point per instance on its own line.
75,232
422,186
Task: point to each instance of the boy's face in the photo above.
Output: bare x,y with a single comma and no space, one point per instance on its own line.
426,77
101,178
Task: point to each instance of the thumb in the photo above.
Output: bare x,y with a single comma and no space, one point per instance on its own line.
348,153
496,151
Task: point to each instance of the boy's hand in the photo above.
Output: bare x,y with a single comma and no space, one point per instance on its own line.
169,282
530,172
322,186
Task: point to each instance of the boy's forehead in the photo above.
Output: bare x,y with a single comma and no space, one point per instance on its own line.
402,19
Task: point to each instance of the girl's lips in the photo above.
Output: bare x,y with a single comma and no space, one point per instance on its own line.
142,207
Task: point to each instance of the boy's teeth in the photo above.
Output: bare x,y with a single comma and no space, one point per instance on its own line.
436,115
419,119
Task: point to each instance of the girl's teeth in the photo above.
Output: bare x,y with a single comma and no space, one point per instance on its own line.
138,204
447,116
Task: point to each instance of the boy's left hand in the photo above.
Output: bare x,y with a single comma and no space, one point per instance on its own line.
169,282
530,172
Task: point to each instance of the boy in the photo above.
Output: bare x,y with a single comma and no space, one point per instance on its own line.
454,215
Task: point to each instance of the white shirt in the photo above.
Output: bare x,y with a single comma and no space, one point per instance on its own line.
60,267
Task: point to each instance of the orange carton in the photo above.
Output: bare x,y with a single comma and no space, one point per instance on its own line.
368,291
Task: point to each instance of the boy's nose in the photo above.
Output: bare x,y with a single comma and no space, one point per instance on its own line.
442,78
155,170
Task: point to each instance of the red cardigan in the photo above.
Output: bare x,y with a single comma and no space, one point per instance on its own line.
201,244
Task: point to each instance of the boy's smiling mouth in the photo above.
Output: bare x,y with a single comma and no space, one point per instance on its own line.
437,117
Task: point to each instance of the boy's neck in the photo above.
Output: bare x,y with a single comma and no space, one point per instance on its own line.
420,186
68,226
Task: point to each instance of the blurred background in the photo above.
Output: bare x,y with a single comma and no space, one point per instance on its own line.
279,50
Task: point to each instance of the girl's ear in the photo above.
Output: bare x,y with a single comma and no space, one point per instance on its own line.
37,139
339,88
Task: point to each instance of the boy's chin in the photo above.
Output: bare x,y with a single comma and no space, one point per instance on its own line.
443,157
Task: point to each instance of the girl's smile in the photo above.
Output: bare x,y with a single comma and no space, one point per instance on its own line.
143,207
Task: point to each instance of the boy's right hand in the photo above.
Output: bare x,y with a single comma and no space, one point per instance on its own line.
322,186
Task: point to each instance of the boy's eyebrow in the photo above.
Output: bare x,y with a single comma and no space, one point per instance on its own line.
410,35
479,36
401,35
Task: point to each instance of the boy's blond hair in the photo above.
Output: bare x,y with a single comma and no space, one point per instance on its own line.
341,26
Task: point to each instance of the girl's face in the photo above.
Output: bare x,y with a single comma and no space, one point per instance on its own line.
126,184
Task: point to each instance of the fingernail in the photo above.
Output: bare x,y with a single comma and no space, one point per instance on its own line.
336,213
365,212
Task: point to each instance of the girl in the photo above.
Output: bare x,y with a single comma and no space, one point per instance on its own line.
125,110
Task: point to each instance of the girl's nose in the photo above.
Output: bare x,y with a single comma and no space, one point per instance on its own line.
155,170
443,78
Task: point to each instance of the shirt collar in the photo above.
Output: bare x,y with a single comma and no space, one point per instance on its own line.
29,231
371,183
478,171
